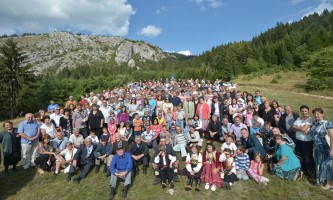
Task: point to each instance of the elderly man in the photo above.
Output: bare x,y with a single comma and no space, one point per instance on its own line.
252,144
140,153
188,107
84,158
120,142
59,143
120,168
287,120
214,129
28,130
76,138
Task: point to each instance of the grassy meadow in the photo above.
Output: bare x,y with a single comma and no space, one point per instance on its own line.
31,185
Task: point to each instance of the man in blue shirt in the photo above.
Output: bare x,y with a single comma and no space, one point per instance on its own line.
52,107
121,167
28,130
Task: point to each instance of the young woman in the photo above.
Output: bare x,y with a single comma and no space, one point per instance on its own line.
66,123
48,128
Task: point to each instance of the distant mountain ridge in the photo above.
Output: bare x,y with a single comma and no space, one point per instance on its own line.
58,50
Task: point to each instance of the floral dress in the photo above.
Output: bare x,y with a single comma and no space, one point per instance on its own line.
323,162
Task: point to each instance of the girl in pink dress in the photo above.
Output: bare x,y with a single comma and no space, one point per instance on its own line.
112,128
256,170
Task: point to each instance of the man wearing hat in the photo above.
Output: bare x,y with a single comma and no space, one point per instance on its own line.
103,154
120,168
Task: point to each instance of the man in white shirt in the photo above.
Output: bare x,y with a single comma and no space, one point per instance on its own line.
106,110
55,117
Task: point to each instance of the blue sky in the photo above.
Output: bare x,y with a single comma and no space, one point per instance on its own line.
192,26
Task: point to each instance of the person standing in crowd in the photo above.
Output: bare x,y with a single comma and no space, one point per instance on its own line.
174,99
52,107
322,132
66,123
217,108
96,120
55,117
106,111
11,147
80,118
203,112
120,168
304,141
286,122
47,128
188,107
28,131
71,101
269,114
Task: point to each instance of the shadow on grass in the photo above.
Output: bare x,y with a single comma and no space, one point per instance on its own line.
15,181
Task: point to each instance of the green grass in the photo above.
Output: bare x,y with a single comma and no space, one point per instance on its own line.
31,185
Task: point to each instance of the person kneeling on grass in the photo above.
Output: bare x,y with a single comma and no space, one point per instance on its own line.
65,158
121,168
164,162
84,158
193,168
103,154
256,169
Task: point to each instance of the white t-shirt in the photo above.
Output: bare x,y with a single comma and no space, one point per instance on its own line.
106,113
300,123
76,140
49,129
260,121
231,146
68,155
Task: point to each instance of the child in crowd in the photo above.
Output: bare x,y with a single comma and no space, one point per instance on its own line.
105,133
93,137
255,128
180,117
114,117
174,114
168,117
248,115
193,168
242,163
229,144
112,128
256,169
146,118
229,173
164,162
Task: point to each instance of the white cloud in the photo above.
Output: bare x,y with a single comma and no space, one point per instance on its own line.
210,3
104,17
295,2
185,52
160,10
150,31
324,4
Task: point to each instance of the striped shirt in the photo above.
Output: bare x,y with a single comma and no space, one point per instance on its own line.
180,139
242,162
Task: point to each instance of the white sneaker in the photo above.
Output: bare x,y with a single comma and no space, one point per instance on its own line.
266,180
207,186
213,188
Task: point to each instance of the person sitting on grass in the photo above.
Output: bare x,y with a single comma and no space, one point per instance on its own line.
287,165
256,169
65,158
211,168
44,155
169,150
164,162
140,153
103,154
93,137
149,137
121,168
193,167
242,163
180,142
229,144
229,169
84,158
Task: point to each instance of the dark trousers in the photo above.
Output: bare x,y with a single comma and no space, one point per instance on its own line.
196,176
143,160
166,174
84,132
85,168
305,152
41,161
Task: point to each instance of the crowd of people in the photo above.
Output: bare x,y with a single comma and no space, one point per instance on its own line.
117,128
